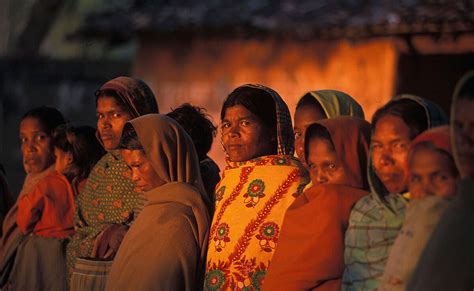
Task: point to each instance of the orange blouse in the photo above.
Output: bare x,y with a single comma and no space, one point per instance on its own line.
48,210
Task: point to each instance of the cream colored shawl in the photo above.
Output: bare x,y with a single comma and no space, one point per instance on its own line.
166,246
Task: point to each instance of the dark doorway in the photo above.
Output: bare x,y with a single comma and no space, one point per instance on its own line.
432,76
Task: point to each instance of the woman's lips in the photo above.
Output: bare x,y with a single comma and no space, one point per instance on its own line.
30,160
106,136
233,147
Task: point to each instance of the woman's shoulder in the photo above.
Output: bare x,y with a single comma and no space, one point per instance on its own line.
53,179
51,183
109,167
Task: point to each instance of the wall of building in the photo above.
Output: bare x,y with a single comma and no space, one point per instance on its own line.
203,72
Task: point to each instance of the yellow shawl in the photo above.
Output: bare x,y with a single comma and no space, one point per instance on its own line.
251,200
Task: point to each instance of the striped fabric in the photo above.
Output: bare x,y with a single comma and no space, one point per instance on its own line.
90,275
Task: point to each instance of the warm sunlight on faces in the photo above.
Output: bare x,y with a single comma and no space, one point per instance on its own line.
390,143
304,117
36,146
243,135
111,118
142,170
324,167
432,173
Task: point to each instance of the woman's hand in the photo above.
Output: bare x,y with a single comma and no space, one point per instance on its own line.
110,241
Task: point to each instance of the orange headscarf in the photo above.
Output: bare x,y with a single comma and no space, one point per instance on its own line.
350,137
310,250
439,137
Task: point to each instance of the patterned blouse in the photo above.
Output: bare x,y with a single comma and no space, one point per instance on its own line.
108,198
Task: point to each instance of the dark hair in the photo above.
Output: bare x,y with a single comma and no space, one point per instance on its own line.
112,94
129,139
412,114
49,117
81,141
255,100
467,89
428,145
316,131
198,124
309,100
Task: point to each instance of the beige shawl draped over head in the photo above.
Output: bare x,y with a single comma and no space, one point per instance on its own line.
166,246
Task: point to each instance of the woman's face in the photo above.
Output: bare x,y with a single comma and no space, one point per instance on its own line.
390,143
304,117
244,136
324,166
464,136
431,174
143,173
36,146
111,118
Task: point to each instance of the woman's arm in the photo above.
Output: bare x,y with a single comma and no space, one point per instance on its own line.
30,208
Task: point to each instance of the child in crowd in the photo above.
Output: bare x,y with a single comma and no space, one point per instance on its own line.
198,124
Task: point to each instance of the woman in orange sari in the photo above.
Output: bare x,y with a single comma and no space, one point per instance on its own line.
310,253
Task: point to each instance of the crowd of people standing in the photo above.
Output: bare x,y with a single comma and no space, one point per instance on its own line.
137,204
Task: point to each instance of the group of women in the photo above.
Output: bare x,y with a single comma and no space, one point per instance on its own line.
138,204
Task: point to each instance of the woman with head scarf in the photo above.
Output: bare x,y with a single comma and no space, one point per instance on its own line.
105,208
432,183
321,104
310,253
165,247
447,261
36,135
377,218
261,179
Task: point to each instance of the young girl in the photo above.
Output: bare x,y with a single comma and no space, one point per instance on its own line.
310,252
46,213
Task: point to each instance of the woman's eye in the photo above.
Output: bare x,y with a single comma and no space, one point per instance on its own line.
400,145
376,146
40,137
116,115
332,166
23,139
99,116
245,122
225,125
442,178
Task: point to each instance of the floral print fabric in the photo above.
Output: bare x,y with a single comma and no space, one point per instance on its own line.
251,200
